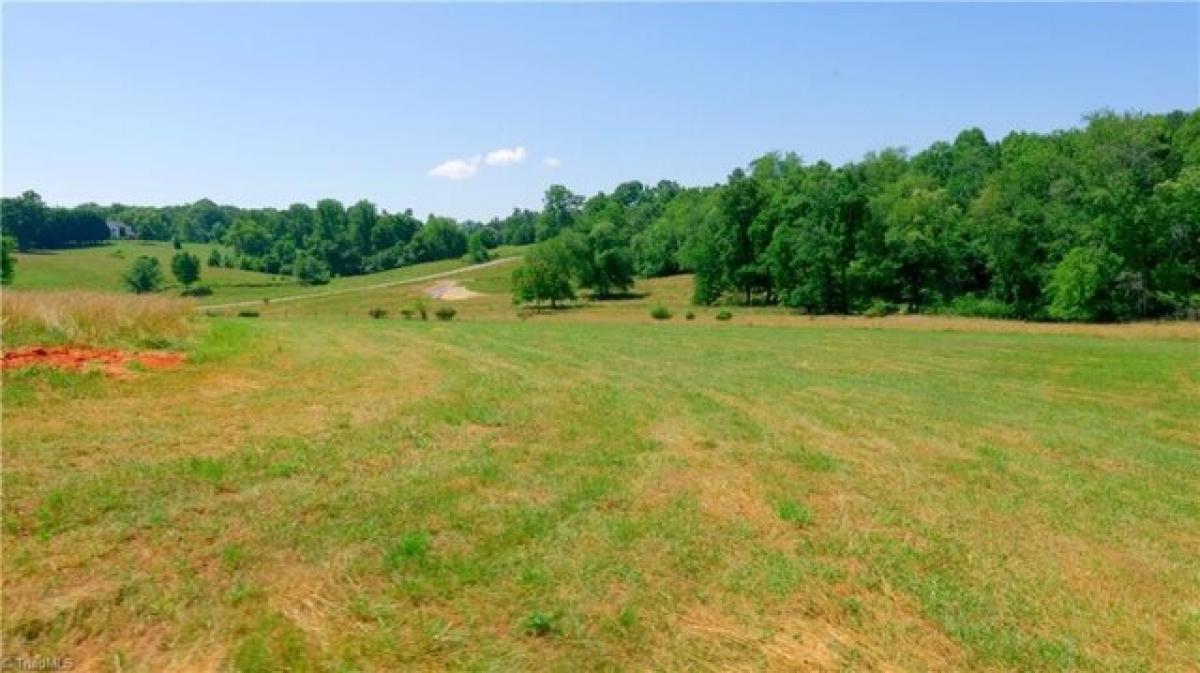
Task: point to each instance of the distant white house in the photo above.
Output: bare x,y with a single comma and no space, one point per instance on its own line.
118,229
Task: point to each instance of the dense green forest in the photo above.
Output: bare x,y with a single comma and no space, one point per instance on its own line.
1095,223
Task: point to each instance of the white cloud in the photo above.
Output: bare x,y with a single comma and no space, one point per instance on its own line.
456,169
505,156
552,162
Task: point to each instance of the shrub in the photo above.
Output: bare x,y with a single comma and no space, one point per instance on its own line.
198,291
980,307
377,313
724,315
879,308
186,268
309,270
690,315
144,275
660,313
445,313
407,313
247,314
421,309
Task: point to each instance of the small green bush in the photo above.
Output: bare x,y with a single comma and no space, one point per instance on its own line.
247,314
660,313
407,313
690,315
879,308
198,291
445,313
377,313
420,308
724,315
980,307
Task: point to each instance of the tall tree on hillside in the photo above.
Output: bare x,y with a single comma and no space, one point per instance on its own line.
361,218
559,208
545,275
477,252
601,259
741,202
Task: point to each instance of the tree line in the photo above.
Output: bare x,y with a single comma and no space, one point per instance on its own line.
1094,223
29,222
313,243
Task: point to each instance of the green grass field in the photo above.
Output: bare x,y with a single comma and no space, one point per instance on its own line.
101,268
590,489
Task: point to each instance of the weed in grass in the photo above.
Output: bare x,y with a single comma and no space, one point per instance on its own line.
233,556
445,313
248,313
50,515
660,312
377,313
627,618
539,624
724,315
690,315
794,512
207,469
243,592
412,548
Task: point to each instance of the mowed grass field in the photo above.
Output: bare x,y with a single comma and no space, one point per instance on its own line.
589,489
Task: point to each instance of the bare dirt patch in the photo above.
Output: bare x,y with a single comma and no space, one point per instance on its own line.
450,290
111,361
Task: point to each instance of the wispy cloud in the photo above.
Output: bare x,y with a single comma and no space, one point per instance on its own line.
505,156
456,169
552,162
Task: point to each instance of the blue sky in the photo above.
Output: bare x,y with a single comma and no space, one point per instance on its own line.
265,105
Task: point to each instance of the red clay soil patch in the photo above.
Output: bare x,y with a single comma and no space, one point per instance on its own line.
111,361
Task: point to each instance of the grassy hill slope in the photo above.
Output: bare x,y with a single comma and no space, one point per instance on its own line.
101,268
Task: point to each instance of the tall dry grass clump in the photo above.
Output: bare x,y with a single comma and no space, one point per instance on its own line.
79,317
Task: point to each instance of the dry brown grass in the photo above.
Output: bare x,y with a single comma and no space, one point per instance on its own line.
79,317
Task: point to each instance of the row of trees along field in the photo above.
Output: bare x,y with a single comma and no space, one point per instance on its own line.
1096,223
32,224
314,243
